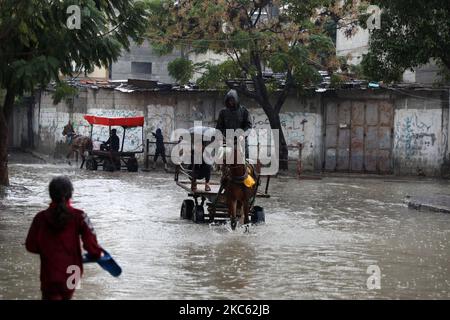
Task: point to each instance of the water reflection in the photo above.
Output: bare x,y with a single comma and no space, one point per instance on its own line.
319,239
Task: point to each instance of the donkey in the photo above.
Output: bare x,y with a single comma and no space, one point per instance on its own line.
239,182
78,144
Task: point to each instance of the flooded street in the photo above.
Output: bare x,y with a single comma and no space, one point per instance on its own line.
319,239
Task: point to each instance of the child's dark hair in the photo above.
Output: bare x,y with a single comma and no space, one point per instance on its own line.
61,190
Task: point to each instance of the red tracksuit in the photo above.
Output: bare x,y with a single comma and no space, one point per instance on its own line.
60,249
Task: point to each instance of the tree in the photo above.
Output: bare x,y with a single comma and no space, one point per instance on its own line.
412,33
216,75
39,41
284,36
181,69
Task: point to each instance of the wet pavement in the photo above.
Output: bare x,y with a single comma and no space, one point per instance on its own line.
435,202
319,239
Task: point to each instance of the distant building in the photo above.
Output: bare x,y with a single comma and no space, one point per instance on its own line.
141,62
358,45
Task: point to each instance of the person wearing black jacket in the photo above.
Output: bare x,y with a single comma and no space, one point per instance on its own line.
234,116
113,143
160,149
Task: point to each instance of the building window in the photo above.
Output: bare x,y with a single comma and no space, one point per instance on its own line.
141,67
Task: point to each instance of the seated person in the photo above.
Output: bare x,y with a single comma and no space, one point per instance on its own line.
113,143
70,133
200,171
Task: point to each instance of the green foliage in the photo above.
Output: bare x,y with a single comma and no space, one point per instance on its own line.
356,71
181,69
306,75
158,19
215,76
250,34
2,97
376,69
336,80
36,46
63,92
412,33
330,27
443,73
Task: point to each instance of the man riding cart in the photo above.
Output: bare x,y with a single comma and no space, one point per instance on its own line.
111,155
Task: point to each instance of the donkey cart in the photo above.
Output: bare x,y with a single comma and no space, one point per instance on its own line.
111,160
213,205
214,201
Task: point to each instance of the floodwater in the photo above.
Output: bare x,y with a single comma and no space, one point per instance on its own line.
319,239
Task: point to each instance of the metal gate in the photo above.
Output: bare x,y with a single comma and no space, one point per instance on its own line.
358,136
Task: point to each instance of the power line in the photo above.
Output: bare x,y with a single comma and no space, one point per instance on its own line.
416,96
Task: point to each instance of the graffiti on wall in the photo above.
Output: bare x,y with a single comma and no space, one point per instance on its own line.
133,136
298,127
416,134
51,124
160,117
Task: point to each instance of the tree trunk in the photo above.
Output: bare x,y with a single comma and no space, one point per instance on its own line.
273,115
446,60
5,114
275,123
262,98
4,181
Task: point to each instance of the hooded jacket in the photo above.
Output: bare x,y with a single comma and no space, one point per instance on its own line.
60,248
233,118
159,139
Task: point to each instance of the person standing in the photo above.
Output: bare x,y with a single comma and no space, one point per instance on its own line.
55,235
160,149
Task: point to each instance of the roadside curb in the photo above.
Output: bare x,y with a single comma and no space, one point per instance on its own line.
36,155
436,203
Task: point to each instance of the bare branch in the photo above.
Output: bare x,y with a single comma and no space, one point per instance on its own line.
242,65
258,80
286,90
257,18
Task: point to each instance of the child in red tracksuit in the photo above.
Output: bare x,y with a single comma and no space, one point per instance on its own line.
55,235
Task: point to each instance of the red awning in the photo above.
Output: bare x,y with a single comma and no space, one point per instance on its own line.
115,122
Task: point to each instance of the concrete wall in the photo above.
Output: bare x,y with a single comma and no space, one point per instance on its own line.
121,70
170,111
420,128
294,112
18,128
421,133
354,46
20,125
210,57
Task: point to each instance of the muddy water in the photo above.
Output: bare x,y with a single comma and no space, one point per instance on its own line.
319,239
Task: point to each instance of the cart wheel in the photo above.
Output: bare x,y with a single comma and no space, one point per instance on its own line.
258,215
108,165
198,215
91,163
187,209
132,165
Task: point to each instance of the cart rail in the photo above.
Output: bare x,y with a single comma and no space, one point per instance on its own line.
214,200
